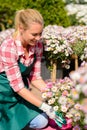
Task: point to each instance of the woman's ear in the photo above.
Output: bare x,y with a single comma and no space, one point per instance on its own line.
21,29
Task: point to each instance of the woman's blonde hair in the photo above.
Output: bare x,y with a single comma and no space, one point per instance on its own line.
26,17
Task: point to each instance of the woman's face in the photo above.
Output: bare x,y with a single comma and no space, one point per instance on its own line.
31,35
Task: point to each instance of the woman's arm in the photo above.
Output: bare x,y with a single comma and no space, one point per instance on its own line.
38,83
28,96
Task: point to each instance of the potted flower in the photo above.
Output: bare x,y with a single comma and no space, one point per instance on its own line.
56,48
68,97
76,36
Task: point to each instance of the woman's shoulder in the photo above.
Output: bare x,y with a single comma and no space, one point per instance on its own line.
8,42
6,34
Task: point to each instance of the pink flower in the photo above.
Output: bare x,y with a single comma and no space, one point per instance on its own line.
85,127
49,94
65,93
84,105
44,90
76,127
49,85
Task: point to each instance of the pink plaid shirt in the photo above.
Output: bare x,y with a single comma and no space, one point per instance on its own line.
10,51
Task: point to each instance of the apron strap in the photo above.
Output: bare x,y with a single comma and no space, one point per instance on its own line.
27,71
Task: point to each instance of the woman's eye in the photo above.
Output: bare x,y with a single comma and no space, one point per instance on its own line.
40,34
37,34
34,34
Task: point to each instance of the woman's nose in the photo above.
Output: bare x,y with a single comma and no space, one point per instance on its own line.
38,37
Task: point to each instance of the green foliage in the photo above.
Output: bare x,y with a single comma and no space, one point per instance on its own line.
52,11
74,21
76,1
78,47
8,8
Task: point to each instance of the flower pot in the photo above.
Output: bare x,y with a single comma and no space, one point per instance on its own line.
75,57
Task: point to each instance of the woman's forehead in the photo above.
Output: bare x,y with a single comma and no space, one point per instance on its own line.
35,27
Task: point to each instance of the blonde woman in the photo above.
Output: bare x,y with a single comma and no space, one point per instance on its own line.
20,64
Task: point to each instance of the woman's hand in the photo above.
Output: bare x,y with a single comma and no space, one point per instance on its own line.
48,110
39,84
29,96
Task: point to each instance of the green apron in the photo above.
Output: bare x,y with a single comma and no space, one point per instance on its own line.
15,112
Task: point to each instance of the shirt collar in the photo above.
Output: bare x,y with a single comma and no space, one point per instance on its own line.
20,49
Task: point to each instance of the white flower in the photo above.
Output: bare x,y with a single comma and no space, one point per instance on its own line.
44,95
55,108
85,119
75,76
62,87
84,89
67,66
62,100
77,116
51,101
54,89
77,106
69,115
78,87
64,108
55,52
74,94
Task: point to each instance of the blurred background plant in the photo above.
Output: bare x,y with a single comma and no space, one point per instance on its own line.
76,36
79,78
77,11
53,11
